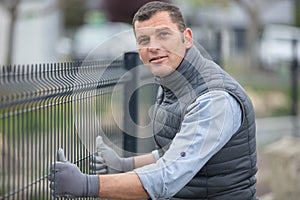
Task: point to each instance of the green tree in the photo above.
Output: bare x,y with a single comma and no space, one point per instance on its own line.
73,12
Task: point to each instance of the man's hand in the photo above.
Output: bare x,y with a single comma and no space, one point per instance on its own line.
67,180
106,160
97,164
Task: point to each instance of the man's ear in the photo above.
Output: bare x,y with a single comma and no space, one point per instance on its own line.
188,38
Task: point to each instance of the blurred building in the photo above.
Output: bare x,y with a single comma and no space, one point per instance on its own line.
233,22
39,26
37,31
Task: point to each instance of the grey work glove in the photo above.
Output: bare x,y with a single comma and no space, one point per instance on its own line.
66,180
106,160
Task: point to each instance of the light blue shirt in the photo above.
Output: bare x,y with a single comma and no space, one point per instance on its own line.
208,125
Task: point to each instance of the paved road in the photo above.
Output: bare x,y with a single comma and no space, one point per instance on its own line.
273,129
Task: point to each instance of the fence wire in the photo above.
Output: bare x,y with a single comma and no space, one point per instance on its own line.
47,106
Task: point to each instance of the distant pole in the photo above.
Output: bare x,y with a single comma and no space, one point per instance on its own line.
297,12
294,86
218,48
131,110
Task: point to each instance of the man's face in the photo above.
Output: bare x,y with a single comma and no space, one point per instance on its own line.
160,43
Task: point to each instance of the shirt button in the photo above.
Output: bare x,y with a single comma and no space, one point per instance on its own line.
182,154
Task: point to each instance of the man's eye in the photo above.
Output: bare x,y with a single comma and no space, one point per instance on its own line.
143,41
163,34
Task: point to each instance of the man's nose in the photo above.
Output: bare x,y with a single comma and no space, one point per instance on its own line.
154,45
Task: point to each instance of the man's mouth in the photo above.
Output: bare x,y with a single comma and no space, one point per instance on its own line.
157,59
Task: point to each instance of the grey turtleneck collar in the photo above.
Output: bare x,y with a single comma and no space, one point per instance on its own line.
182,77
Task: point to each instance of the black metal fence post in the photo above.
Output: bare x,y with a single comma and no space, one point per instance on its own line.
131,110
294,85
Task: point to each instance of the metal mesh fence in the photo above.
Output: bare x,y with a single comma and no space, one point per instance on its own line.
47,106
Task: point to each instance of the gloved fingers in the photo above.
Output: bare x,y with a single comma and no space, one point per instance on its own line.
61,155
97,166
52,185
52,188
54,168
97,158
100,145
63,176
51,177
99,141
101,171
55,194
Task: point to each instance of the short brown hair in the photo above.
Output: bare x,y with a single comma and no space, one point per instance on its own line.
153,7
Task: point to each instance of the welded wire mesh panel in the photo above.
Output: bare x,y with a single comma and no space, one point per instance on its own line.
47,106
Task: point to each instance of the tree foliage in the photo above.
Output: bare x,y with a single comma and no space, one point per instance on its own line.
73,12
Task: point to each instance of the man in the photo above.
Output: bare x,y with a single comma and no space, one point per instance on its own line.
203,123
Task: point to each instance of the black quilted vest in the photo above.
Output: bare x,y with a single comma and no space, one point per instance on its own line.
229,174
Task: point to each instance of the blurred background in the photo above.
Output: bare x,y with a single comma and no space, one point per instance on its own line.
256,41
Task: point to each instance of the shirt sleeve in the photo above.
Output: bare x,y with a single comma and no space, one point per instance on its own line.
208,125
